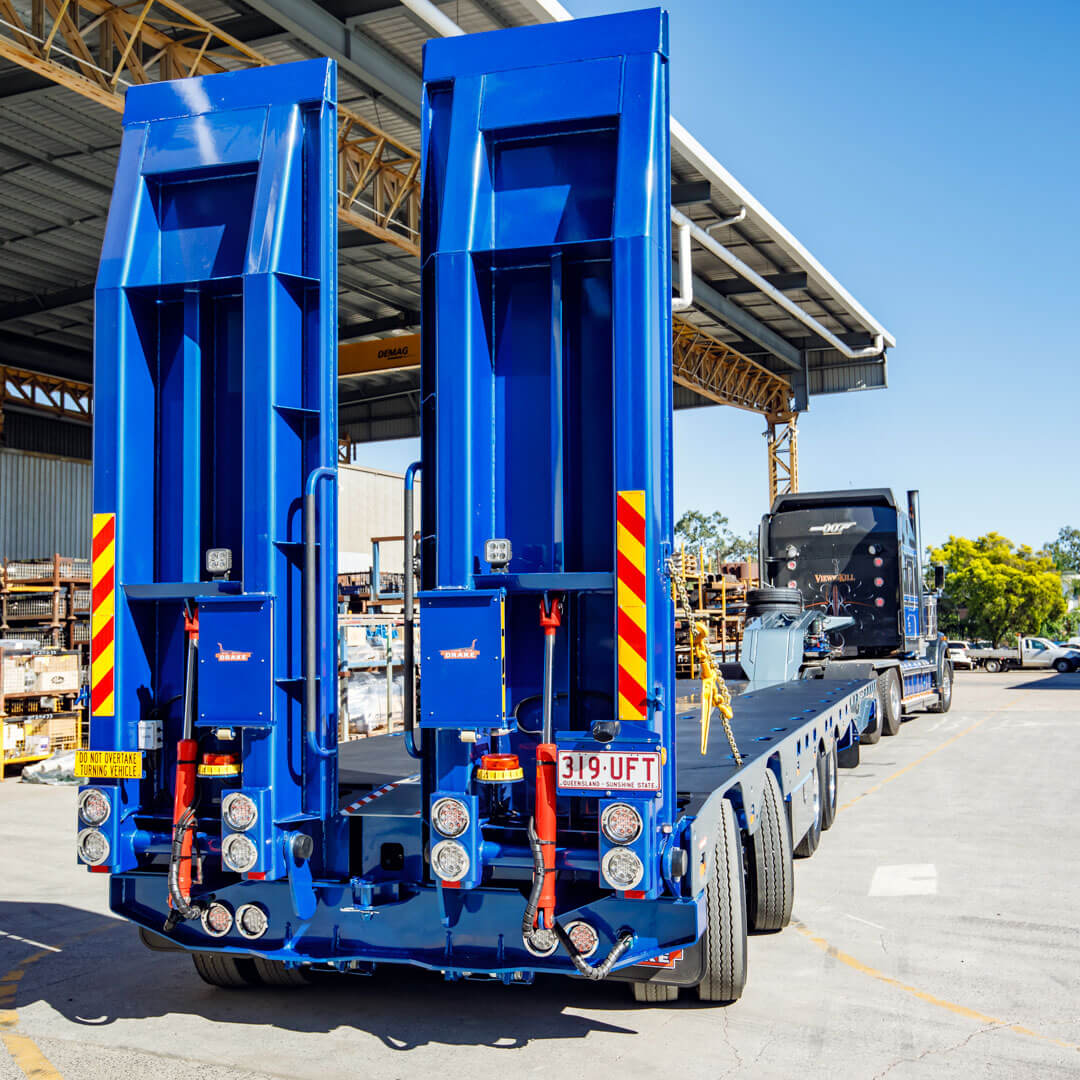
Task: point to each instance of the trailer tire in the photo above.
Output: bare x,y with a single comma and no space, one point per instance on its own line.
275,973
225,971
809,843
724,940
890,697
770,886
993,666
944,702
830,790
654,993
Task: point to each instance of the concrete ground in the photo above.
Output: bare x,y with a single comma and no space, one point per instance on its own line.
935,935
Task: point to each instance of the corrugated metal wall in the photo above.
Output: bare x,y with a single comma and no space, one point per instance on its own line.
44,506
370,503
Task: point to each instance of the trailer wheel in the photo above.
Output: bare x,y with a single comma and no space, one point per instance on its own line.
993,666
725,916
829,790
944,702
770,887
889,697
275,973
226,971
809,843
654,993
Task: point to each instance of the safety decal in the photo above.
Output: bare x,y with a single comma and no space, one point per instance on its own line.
631,599
102,615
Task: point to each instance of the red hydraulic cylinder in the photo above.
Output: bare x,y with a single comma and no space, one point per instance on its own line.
546,759
187,751
546,756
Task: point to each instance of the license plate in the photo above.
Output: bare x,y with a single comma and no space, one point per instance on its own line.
109,764
623,771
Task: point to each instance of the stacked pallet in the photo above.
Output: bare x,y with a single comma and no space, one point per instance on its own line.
46,602
717,593
40,692
44,646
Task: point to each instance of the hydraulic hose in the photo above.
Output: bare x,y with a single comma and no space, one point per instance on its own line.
595,972
598,971
528,920
184,794
183,832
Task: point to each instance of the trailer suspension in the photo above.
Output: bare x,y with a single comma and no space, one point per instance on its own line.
714,691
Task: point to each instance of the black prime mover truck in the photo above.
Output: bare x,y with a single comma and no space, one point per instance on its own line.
855,557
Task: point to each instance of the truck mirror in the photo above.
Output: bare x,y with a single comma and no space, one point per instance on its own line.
939,576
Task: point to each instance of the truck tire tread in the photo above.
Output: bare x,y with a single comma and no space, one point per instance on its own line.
725,916
810,842
654,993
224,971
275,973
830,793
890,719
771,883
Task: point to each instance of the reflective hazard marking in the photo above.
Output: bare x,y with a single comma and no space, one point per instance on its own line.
102,615
631,601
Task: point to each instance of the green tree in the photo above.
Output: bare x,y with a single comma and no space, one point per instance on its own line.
711,532
1065,550
1004,589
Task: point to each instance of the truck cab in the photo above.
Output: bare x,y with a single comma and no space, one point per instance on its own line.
856,556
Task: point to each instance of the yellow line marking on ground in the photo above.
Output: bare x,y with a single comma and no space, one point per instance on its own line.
911,764
888,980
922,995
23,1050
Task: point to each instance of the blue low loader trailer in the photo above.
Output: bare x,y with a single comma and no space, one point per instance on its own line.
852,562
549,807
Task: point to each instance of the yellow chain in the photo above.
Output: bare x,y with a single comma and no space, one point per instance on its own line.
714,691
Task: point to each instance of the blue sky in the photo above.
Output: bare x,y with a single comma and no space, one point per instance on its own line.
928,155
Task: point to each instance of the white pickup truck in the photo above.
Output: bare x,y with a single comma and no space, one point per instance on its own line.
1030,652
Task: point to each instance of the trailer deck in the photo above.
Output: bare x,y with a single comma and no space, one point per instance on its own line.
377,776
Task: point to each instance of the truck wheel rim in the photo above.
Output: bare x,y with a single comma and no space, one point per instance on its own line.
832,784
894,696
946,687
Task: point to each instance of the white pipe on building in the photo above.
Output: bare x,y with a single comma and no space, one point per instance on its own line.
774,294
432,17
685,300
733,220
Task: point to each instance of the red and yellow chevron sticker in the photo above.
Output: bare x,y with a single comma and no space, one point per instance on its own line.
631,600
103,615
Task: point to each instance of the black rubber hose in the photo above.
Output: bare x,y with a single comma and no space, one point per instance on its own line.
539,872
598,971
181,909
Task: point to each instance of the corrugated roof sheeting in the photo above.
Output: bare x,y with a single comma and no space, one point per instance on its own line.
44,506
